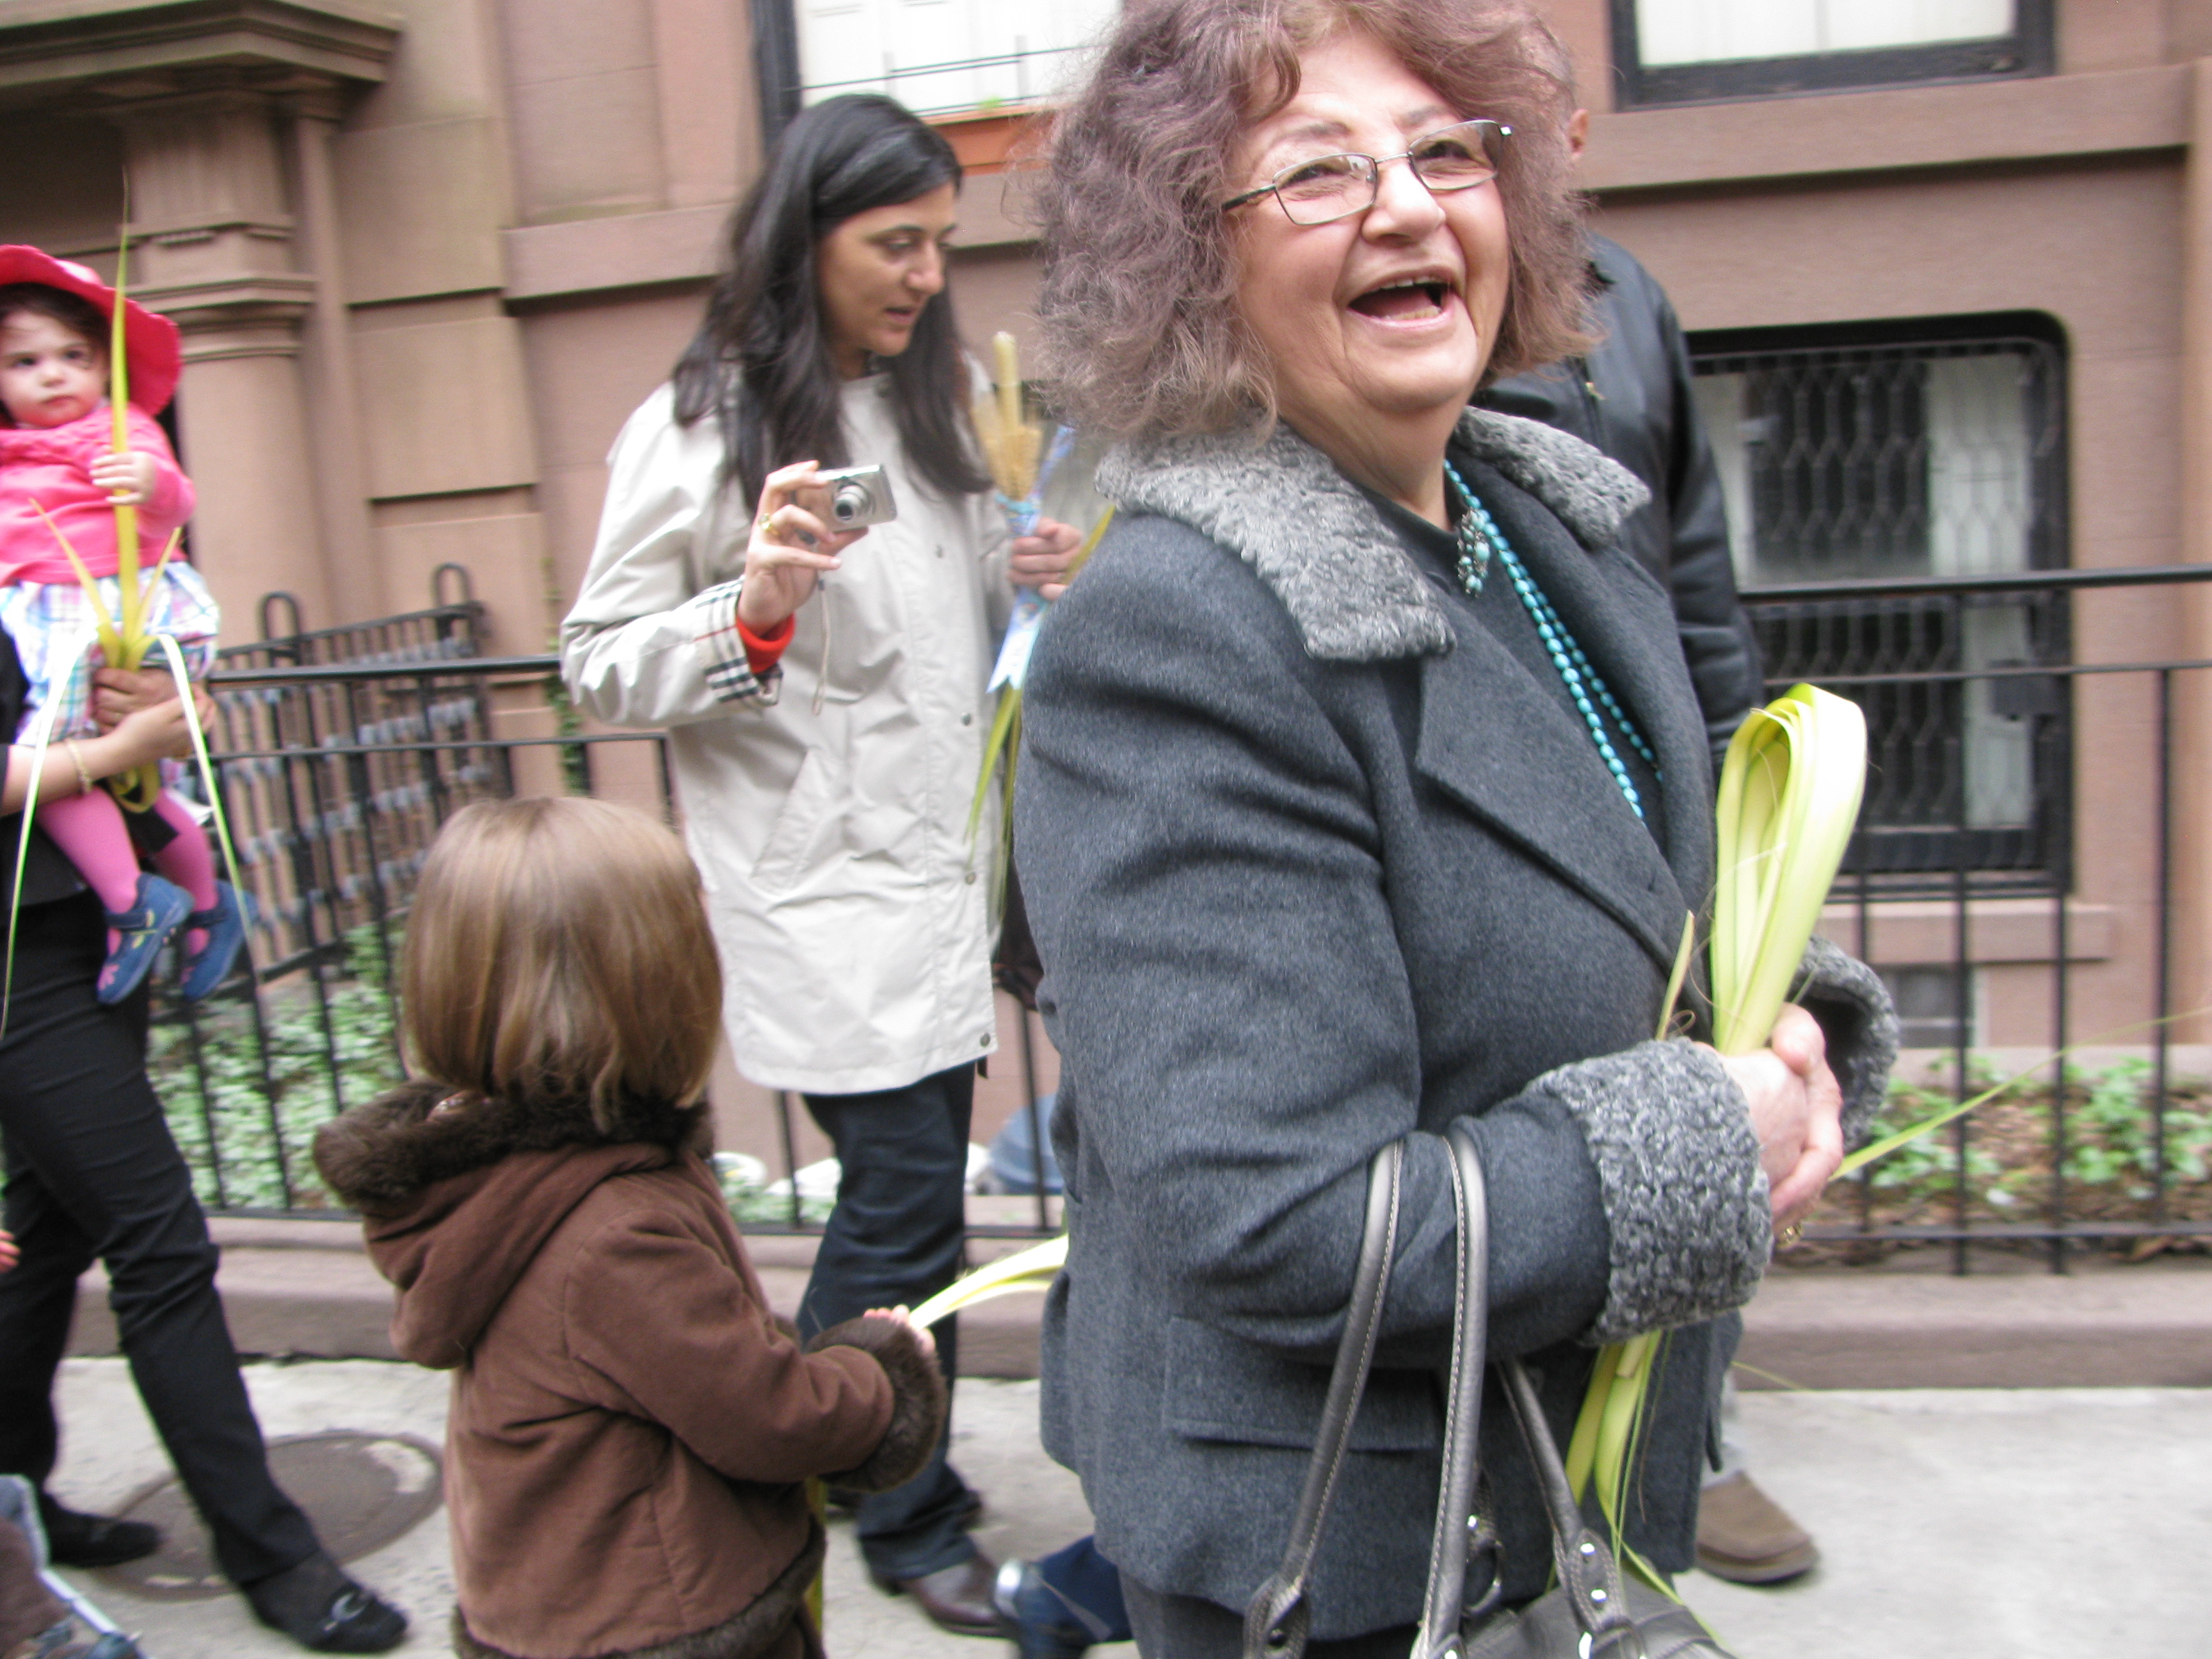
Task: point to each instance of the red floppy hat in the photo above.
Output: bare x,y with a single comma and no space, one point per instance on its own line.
154,357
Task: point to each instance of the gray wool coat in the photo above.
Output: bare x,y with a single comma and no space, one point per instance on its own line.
1313,864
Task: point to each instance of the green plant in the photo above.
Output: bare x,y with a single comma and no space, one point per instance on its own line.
245,1113
2112,1133
1927,1169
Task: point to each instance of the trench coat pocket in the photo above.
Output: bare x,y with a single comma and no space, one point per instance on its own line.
1220,1387
806,829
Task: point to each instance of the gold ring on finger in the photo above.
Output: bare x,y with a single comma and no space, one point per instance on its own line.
1788,1237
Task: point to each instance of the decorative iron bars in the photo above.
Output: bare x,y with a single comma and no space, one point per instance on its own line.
338,774
1926,458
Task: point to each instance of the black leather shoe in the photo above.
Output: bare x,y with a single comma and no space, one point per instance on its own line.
324,1611
957,1598
76,1540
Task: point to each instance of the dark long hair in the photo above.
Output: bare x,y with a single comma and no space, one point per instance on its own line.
56,305
760,362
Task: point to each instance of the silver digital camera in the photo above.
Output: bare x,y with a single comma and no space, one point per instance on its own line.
859,496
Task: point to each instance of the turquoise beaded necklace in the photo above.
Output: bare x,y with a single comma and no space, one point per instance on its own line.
1480,541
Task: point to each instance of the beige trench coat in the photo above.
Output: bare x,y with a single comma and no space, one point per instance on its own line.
849,907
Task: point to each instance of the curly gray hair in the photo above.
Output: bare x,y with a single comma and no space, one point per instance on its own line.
1142,336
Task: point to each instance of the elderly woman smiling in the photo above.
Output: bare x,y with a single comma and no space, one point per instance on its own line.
1366,790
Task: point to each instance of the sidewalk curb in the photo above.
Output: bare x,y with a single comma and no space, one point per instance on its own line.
305,1289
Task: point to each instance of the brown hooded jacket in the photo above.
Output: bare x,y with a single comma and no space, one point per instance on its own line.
629,1427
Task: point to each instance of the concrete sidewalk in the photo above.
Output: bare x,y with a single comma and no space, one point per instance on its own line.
1959,1523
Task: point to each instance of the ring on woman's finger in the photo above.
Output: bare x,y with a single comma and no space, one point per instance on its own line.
1788,1237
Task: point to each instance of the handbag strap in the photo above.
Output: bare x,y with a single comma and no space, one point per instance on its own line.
1584,1561
1276,1620
1461,1534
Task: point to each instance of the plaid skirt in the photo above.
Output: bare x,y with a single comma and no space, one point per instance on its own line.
52,624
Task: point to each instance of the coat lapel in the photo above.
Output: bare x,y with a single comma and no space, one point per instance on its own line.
1626,625
1489,736
1500,745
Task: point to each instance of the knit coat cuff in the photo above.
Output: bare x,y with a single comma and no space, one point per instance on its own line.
1860,1022
1685,1198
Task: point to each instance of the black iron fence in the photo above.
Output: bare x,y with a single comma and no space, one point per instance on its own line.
341,751
2024,957
2007,935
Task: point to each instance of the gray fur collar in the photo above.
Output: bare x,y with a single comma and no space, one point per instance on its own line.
1319,543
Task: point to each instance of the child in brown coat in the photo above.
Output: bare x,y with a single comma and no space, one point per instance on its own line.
630,1428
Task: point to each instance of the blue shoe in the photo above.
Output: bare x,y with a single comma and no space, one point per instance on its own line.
161,908
225,926
1041,1622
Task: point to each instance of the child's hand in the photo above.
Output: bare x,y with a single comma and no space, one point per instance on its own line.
120,691
10,1255
160,732
899,1316
129,477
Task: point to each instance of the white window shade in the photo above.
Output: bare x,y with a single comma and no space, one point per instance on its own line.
943,56
1715,31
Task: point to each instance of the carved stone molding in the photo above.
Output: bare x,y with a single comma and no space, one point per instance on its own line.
251,316
126,50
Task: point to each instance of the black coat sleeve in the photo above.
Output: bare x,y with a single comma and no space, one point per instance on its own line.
1647,343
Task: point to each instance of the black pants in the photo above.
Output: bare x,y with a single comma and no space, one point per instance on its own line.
93,1171
898,1235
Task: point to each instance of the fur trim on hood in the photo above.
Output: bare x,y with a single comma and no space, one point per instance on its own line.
380,1157
456,1202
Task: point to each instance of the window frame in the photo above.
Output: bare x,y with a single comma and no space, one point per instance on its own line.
1908,857
2030,50
776,79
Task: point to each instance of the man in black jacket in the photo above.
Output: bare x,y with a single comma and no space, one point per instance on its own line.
1631,398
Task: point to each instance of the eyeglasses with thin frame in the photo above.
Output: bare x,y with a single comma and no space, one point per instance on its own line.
1332,187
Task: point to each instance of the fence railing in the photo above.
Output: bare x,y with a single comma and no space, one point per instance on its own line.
341,752
2015,927
2011,923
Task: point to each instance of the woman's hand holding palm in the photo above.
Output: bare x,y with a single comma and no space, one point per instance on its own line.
1796,1110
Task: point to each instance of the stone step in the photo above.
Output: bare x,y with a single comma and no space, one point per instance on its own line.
306,1288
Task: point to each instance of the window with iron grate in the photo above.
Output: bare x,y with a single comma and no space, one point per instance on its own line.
1932,450
1670,51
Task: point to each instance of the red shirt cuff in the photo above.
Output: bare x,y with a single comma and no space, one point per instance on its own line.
764,651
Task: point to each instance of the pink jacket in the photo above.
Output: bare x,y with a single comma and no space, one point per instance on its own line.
52,466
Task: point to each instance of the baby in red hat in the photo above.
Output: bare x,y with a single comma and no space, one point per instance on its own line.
57,453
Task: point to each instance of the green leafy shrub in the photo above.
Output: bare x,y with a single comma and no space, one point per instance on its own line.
245,1114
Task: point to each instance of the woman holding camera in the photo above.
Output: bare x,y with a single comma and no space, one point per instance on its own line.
823,692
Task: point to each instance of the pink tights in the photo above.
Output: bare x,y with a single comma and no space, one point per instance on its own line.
89,828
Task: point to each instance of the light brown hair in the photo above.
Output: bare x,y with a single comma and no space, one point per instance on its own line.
559,953
1139,297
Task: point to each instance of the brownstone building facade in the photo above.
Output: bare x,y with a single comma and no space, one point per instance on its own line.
428,254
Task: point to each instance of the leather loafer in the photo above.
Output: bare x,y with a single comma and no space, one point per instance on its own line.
957,1598
76,1540
319,1607
1746,1538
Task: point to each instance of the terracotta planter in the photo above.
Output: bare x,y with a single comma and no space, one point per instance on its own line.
986,140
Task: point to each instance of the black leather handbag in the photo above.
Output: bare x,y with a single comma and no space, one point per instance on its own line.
1593,1612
